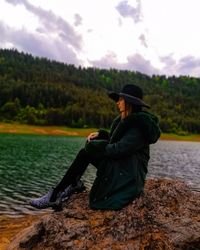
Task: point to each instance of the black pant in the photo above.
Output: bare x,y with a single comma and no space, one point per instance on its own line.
74,172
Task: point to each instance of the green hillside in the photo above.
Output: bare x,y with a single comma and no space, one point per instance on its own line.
42,92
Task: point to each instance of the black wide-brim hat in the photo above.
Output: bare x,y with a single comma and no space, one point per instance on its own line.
132,94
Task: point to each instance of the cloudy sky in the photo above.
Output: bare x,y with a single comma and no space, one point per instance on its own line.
150,36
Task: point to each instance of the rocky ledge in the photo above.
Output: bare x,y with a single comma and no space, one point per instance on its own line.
166,216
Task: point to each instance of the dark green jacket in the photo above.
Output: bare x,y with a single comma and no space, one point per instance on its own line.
123,160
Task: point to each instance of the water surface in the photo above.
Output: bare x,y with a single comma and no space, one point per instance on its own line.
31,164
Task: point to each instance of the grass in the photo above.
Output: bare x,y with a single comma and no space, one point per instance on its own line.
16,128
189,137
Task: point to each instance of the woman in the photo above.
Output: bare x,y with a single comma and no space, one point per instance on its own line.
121,157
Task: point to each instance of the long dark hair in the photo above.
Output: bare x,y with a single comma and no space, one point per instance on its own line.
133,108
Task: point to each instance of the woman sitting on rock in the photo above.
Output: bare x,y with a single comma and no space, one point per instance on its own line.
121,157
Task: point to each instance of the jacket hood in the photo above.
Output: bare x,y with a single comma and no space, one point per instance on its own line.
149,124
145,121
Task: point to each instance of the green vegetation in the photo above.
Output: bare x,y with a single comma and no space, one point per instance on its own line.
38,91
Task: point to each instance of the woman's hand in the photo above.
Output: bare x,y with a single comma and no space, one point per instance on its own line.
92,136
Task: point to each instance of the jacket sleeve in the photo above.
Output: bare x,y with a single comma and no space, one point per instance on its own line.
132,141
103,134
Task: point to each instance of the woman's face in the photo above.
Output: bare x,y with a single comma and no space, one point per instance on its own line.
121,105
124,108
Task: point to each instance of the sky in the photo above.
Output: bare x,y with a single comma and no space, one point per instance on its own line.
159,37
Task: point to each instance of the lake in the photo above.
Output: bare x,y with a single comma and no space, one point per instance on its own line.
31,164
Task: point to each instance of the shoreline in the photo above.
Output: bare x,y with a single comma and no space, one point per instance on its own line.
11,226
15,128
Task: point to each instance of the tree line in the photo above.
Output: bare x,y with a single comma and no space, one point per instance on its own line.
39,91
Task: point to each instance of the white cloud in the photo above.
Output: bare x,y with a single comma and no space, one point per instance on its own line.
188,65
37,44
53,24
134,63
141,35
172,26
143,40
78,20
126,10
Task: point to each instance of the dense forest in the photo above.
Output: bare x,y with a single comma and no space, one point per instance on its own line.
39,91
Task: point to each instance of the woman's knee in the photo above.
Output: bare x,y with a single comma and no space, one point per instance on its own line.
82,151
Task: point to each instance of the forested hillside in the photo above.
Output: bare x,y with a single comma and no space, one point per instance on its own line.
39,91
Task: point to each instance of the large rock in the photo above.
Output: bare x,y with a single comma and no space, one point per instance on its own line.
167,216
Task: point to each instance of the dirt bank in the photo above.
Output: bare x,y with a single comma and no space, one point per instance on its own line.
166,216
9,227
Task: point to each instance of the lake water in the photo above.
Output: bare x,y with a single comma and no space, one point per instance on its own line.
31,164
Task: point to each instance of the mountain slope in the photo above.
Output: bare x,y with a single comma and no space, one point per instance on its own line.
39,91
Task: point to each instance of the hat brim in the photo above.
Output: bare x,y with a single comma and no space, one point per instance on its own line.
128,98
